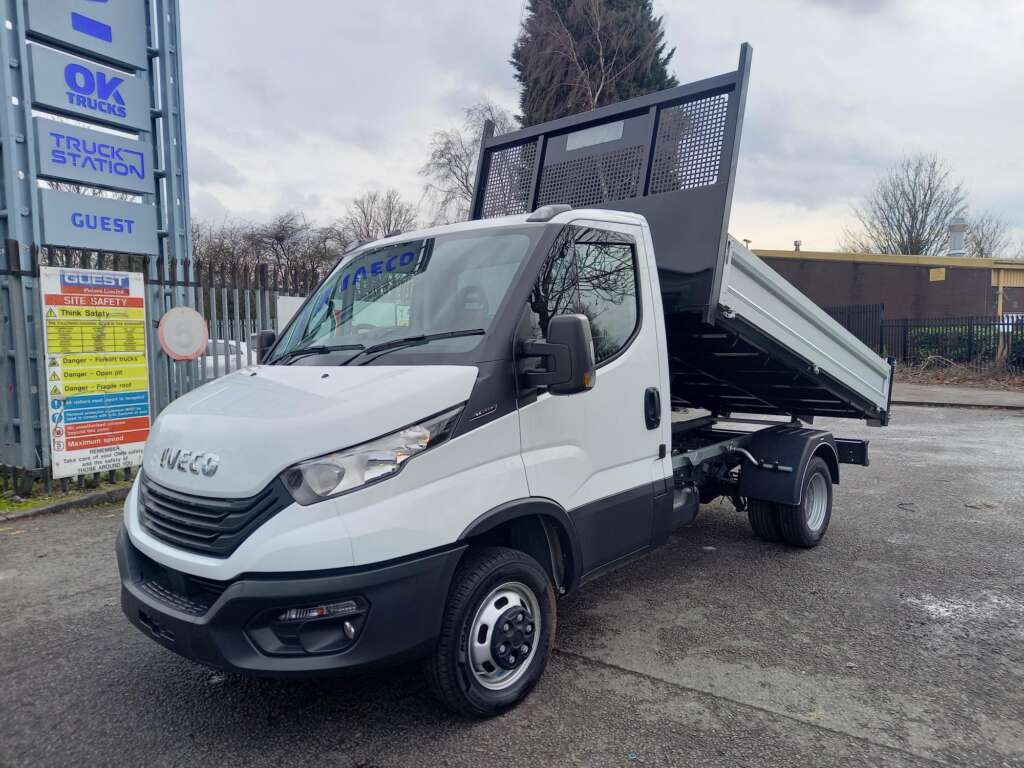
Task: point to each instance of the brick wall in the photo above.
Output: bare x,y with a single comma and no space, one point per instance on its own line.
904,289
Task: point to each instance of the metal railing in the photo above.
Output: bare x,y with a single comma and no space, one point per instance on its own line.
977,342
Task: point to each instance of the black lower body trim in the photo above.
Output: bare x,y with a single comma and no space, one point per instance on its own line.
615,526
400,607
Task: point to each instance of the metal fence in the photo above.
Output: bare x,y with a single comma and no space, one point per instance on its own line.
237,301
976,342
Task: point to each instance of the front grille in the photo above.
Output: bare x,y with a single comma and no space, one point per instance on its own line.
186,593
204,524
175,599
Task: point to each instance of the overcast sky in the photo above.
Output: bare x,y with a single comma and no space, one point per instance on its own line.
304,105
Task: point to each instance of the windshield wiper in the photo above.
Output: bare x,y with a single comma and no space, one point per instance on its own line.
410,341
316,349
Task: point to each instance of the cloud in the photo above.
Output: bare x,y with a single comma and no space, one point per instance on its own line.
835,97
207,167
859,7
206,205
314,106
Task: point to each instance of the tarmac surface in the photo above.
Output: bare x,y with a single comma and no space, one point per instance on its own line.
899,641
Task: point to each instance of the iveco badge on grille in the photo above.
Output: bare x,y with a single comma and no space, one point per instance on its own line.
190,461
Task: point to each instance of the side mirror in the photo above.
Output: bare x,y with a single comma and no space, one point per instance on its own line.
568,356
264,341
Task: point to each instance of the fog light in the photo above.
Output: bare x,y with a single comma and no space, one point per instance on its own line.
330,610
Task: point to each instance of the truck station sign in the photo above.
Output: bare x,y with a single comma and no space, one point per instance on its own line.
68,152
97,373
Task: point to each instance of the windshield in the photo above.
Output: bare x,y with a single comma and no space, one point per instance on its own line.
440,284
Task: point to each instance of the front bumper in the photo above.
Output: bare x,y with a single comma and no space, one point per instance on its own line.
225,625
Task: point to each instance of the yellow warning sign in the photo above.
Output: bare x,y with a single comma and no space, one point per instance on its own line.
55,390
103,386
54,376
89,336
97,313
50,313
105,372
71,362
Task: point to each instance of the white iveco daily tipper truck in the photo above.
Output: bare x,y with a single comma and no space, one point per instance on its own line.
462,424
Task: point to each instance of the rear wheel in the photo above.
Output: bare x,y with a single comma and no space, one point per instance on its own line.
804,524
764,519
497,632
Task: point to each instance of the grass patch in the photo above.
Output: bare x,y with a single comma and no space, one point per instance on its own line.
940,370
10,503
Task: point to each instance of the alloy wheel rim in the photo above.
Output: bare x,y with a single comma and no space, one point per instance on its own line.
816,504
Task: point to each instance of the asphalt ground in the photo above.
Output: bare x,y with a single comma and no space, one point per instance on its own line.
898,641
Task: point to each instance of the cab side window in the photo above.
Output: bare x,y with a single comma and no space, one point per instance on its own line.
591,272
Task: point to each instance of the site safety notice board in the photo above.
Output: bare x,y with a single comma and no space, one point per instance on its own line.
97,373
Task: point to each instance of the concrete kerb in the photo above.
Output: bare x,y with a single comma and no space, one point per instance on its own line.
975,406
109,496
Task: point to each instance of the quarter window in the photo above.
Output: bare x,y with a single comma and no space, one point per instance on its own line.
592,272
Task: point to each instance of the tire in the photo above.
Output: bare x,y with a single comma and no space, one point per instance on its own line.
764,519
804,524
485,578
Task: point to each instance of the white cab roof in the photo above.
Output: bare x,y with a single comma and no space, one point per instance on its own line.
598,214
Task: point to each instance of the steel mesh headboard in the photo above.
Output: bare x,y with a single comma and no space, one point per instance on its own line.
669,155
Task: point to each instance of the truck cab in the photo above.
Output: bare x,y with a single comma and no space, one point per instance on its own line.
462,424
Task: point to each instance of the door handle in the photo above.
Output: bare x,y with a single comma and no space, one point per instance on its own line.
652,408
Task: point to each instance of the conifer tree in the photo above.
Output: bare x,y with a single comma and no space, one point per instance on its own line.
576,55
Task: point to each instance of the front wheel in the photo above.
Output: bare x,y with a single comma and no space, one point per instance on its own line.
496,635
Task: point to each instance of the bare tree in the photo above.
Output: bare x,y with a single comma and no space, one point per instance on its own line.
988,236
909,210
377,214
451,169
223,243
584,272
283,238
288,241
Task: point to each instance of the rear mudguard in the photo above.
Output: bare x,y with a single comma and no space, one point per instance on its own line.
783,454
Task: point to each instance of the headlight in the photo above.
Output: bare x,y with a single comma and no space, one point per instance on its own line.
334,474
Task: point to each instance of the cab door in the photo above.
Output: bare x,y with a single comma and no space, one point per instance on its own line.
597,453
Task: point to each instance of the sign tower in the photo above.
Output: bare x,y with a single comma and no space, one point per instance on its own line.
92,158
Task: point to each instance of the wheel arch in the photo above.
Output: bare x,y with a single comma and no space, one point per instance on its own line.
828,452
791,447
539,527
